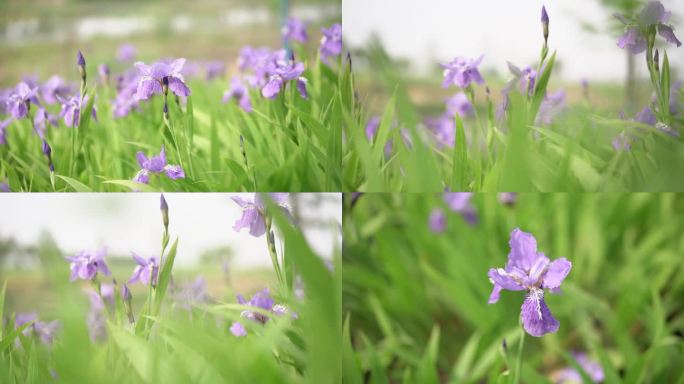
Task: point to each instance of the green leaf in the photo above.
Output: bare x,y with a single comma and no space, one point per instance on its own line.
75,184
460,159
165,276
132,185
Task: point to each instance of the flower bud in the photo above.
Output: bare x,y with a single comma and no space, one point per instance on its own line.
81,65
545,23
165,85
103,70
165,211
656,60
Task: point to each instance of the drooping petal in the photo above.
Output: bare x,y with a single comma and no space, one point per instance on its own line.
556,273
257,227
143,176
301,87
504,279
494,296
536,316
138,259
668,34
249,215
174,172
178,87
146,88
272,88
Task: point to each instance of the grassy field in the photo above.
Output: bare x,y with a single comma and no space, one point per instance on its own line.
416,307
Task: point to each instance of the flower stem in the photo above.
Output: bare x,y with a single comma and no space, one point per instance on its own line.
518,362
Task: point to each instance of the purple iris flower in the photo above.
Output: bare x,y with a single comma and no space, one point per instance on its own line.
154,75
237,329
653,14
295,29
284,72
71,109
127,88
191,294
372,127
262,300
86,264
19,100
96,319
4,186
104,71
531,271
44,330
253,212
526,78
645,116
459,104
54,89
460,202
444,128
462,72
156,164
550,107
42,120
331,42
126,52
3,130
590,367
215,69
238,92
146,270
508,198
437,220
622,142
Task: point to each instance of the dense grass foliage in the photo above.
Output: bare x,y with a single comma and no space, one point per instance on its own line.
288,143
173,342
415,301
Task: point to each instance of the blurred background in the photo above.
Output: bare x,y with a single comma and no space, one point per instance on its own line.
40,37
417,37
38,230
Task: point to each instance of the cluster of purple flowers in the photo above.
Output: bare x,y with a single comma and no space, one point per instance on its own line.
262,302
45,331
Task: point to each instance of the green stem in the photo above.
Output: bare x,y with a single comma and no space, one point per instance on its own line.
518,363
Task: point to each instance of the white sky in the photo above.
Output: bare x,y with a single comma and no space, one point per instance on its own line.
126,222
430,31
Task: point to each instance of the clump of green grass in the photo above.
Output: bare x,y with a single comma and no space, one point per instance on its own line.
415,301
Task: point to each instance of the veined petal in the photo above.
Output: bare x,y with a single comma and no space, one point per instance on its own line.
504,279
536,316
523,249
178,87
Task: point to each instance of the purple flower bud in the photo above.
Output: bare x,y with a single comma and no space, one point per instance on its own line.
545,23
165,210
80,59
126,293
238,330
656,60
437,220
47,151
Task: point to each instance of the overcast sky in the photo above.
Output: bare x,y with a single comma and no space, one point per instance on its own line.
430,31
126,222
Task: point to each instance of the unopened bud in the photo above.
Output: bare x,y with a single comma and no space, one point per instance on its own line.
81,65
545,23
165,85
165,211
656,60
